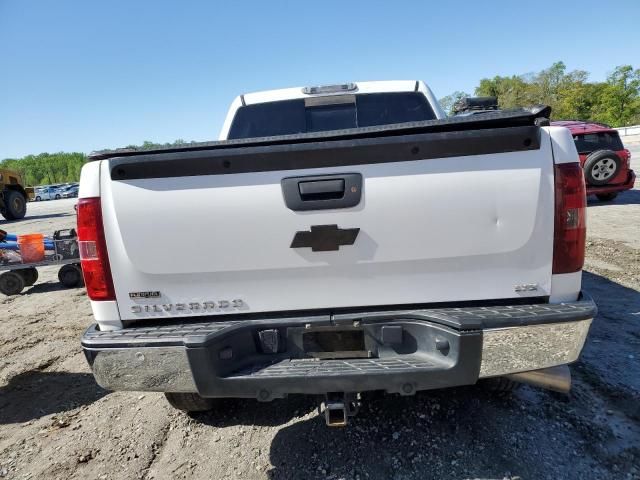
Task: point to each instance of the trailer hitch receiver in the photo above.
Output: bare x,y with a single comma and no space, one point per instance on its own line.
338,407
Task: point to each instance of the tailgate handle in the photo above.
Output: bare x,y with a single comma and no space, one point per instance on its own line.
321,192
321,189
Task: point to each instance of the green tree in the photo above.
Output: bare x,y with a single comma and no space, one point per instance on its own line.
574,97
47,168
511,91
619,100
570,94
61,167
546,87
447,103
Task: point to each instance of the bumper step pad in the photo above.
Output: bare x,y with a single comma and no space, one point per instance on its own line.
313,368
463,318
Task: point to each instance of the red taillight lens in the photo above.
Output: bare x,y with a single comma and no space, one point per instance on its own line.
570,218
93,250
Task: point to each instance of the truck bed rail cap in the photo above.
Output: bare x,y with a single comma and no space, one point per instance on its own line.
498,119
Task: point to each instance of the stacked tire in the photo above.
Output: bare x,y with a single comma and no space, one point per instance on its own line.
14,205
14,281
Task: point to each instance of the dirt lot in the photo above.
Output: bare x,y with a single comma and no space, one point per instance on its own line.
55,422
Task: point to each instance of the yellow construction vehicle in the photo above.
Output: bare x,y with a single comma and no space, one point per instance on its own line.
13,195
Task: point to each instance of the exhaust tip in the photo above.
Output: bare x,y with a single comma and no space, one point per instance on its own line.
557,379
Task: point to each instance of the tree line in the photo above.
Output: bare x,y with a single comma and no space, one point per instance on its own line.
616,101
61,167
47,168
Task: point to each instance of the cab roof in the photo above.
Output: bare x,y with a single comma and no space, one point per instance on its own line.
581,126
354,87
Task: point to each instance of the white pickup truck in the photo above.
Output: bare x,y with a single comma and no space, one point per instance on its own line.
336,240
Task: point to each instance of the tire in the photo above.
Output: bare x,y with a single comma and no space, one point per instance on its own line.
38,199
57,196
606,197
70,276
15,205
11,283
189,402
500,386
601,167
30,275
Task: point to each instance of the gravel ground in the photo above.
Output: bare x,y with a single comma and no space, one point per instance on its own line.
55,422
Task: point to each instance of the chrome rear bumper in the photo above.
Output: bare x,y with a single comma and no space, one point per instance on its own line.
404,351
521,349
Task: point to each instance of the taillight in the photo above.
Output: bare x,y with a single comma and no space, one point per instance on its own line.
570,218
93,250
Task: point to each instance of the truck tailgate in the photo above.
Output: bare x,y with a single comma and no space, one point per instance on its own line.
442,217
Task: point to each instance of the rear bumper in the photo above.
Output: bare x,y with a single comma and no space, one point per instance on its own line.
402,352
621,187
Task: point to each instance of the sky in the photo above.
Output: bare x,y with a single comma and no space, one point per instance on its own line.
86,75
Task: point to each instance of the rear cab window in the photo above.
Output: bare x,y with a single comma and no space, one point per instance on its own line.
337,112
590,142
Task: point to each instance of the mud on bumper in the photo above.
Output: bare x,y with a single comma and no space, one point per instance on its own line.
396,351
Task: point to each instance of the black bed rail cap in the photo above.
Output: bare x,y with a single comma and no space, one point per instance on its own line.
490,120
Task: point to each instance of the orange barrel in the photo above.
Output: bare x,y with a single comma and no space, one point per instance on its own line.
31,247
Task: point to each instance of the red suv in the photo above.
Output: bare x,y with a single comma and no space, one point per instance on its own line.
605,161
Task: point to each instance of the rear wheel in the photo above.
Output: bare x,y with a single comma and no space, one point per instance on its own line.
38,198
11,283
15,205
70,276
189,402
606,197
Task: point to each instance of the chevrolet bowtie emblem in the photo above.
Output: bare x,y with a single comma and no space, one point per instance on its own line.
325,238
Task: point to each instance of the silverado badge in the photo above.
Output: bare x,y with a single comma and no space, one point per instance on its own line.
208,306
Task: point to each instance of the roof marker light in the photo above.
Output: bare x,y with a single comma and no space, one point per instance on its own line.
344,87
